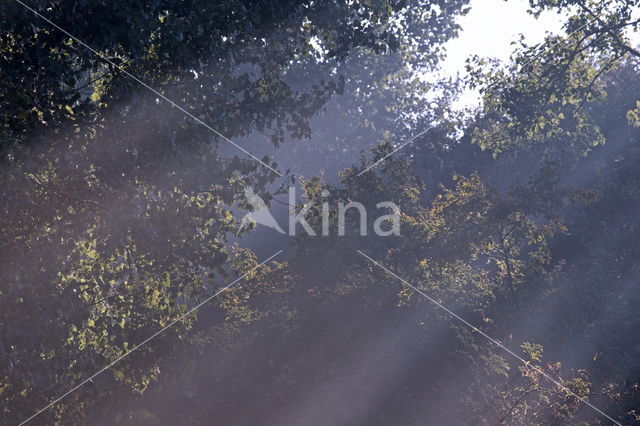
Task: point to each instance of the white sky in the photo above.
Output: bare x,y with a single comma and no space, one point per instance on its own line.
489,29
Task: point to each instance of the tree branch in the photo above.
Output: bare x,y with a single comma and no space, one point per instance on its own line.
610,30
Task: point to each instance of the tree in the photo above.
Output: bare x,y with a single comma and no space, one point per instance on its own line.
117,208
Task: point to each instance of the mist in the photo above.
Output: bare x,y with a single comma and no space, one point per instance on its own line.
140,284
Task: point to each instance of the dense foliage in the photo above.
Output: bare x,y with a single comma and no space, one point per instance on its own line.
120,213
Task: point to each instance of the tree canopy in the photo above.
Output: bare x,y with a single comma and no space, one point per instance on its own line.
131,294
